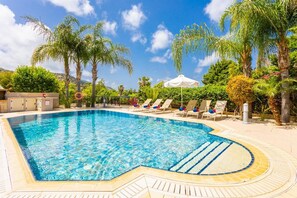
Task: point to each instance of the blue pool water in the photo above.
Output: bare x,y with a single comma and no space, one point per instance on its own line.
101,145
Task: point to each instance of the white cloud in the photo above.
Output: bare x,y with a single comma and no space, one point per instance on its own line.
55,66
198,70
87,74
17,41
207,61
163,79
114,85
110,27
78,7
113,70
159,59
216,8
138,37
168,54
194,59
133,18
161,39
162,59
99,2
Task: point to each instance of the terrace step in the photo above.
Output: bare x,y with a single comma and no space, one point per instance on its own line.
211,156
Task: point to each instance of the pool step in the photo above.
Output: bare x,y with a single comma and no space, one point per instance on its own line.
201,158
189,157
204,163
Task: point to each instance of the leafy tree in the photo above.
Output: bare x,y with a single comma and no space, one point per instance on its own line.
152,93
57,46
240,90
34,79
159,85
5,80
219,72
102,51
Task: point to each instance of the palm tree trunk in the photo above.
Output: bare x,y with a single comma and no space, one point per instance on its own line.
67,81
260,58
284,63
94,79
247,71
78,79
273,106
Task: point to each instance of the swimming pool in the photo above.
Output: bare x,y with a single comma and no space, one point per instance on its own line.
102,145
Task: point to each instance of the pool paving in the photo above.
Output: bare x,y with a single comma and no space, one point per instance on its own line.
273,173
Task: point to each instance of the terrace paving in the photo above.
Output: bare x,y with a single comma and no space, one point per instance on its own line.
277,178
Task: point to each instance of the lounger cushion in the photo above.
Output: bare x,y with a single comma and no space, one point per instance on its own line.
211,111
156,107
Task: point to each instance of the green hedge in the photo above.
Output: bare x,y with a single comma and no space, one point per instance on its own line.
208,92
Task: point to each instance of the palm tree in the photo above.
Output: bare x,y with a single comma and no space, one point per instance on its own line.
274,21
121,89
103,51
79,56
144,82
270,89
58,46
231,45
268,84
237,44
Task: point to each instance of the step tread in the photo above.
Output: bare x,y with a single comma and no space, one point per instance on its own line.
209,158
197,158
190,156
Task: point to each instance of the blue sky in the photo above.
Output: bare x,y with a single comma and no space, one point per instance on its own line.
147,28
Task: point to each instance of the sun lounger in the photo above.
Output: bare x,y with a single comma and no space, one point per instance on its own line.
166,106
204,106
219,110
141,107
190,106
155,105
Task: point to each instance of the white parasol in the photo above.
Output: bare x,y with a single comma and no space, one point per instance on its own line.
182,82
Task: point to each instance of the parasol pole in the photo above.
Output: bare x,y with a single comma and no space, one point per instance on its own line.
181,93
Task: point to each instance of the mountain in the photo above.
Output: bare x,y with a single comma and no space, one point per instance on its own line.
61,77
4,70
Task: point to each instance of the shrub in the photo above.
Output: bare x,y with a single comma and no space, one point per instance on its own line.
72,91
5,80
240,90
34,79
87,95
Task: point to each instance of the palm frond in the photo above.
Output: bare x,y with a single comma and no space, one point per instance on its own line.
40,27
